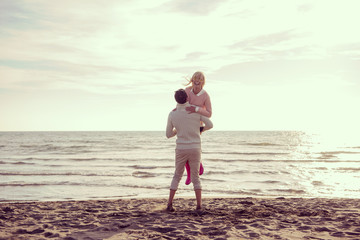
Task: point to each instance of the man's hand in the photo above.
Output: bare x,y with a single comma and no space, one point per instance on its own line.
190,109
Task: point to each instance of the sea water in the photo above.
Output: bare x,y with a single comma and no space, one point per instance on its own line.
105,165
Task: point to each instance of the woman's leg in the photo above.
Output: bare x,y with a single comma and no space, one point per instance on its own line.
188,171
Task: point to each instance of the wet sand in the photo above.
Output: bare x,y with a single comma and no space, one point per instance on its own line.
224,218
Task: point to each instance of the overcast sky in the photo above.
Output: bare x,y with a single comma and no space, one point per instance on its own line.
115,64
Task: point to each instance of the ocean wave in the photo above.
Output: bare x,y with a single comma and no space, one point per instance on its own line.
338,152
268,182
86,141
85,159
215,172
22,163
29,184
206,179
62,174
237,160
85,184
290,190
253,192
271,182
143,167
334,154
78,159
42,147
141,174
265,144
40,159
150,167
24,184
266,172
55,149
349,169
327,156
242,172
282,160
28,146
156,187
321,168
317,183
17,163
247,153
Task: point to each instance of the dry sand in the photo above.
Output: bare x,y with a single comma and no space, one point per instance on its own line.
224,218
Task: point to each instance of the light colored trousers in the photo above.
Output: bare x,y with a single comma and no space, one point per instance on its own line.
181,156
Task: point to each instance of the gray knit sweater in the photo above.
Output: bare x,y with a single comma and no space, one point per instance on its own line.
186,126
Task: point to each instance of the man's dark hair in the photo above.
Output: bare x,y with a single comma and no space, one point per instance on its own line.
181,96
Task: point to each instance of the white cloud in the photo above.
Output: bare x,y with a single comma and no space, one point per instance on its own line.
193,7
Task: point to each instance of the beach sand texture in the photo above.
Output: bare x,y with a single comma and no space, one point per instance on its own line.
224,218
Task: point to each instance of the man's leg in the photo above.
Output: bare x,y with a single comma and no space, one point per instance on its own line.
180,160
170,201
198,199
194,161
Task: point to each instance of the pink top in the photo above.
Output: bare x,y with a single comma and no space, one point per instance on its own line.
201,100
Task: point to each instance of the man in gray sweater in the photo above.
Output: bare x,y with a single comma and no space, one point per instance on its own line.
185,126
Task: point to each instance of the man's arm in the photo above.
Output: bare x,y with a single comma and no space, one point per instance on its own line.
202,111
207,111
170,130
208,123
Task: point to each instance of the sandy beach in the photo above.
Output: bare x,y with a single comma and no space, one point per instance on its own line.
224,218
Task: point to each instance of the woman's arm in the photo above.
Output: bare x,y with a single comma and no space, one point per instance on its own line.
207,111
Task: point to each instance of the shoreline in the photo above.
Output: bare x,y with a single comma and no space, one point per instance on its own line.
146,218
179,196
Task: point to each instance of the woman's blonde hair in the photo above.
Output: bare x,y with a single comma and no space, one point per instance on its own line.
197,75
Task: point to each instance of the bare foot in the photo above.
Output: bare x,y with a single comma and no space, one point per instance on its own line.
170,208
